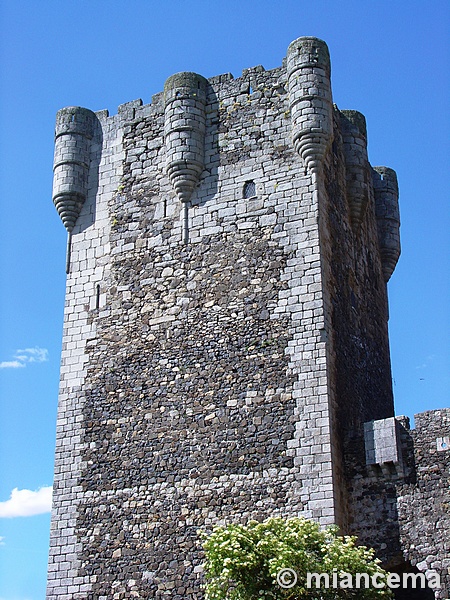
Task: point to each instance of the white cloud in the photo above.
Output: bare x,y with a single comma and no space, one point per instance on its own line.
11,364
26,503
2,543
25,356
32,355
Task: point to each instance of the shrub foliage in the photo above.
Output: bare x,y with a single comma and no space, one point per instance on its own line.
242,562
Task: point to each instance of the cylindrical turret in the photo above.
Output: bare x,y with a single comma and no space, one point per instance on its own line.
354,135
73,134
388,217
309,68
184,130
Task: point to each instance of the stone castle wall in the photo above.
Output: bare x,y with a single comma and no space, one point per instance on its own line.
399,489
424,498
89,259
225,332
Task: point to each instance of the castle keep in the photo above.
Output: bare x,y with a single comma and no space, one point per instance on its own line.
225,351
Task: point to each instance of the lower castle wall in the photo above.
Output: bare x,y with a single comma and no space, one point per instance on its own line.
402,508
424,503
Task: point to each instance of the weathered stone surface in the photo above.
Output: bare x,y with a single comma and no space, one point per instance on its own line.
401,504
222,349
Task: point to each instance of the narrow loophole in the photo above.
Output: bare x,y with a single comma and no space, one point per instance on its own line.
97,297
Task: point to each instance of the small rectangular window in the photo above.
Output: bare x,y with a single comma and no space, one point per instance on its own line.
249,189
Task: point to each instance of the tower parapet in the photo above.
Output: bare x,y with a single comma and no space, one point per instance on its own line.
73,135
309,70
354,136
184,130
388,217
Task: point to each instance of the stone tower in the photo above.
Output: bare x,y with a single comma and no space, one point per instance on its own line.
225,333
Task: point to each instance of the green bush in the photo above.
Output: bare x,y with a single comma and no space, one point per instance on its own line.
243,562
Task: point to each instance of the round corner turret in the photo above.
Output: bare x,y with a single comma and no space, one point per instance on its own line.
387,212
310,99
184,130
308,52
353,119
357,170
185,83
387,178
73,134
75,119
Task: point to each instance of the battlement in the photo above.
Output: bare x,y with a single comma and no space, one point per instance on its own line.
196,114
252,80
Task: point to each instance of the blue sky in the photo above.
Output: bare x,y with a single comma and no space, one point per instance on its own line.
390,60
